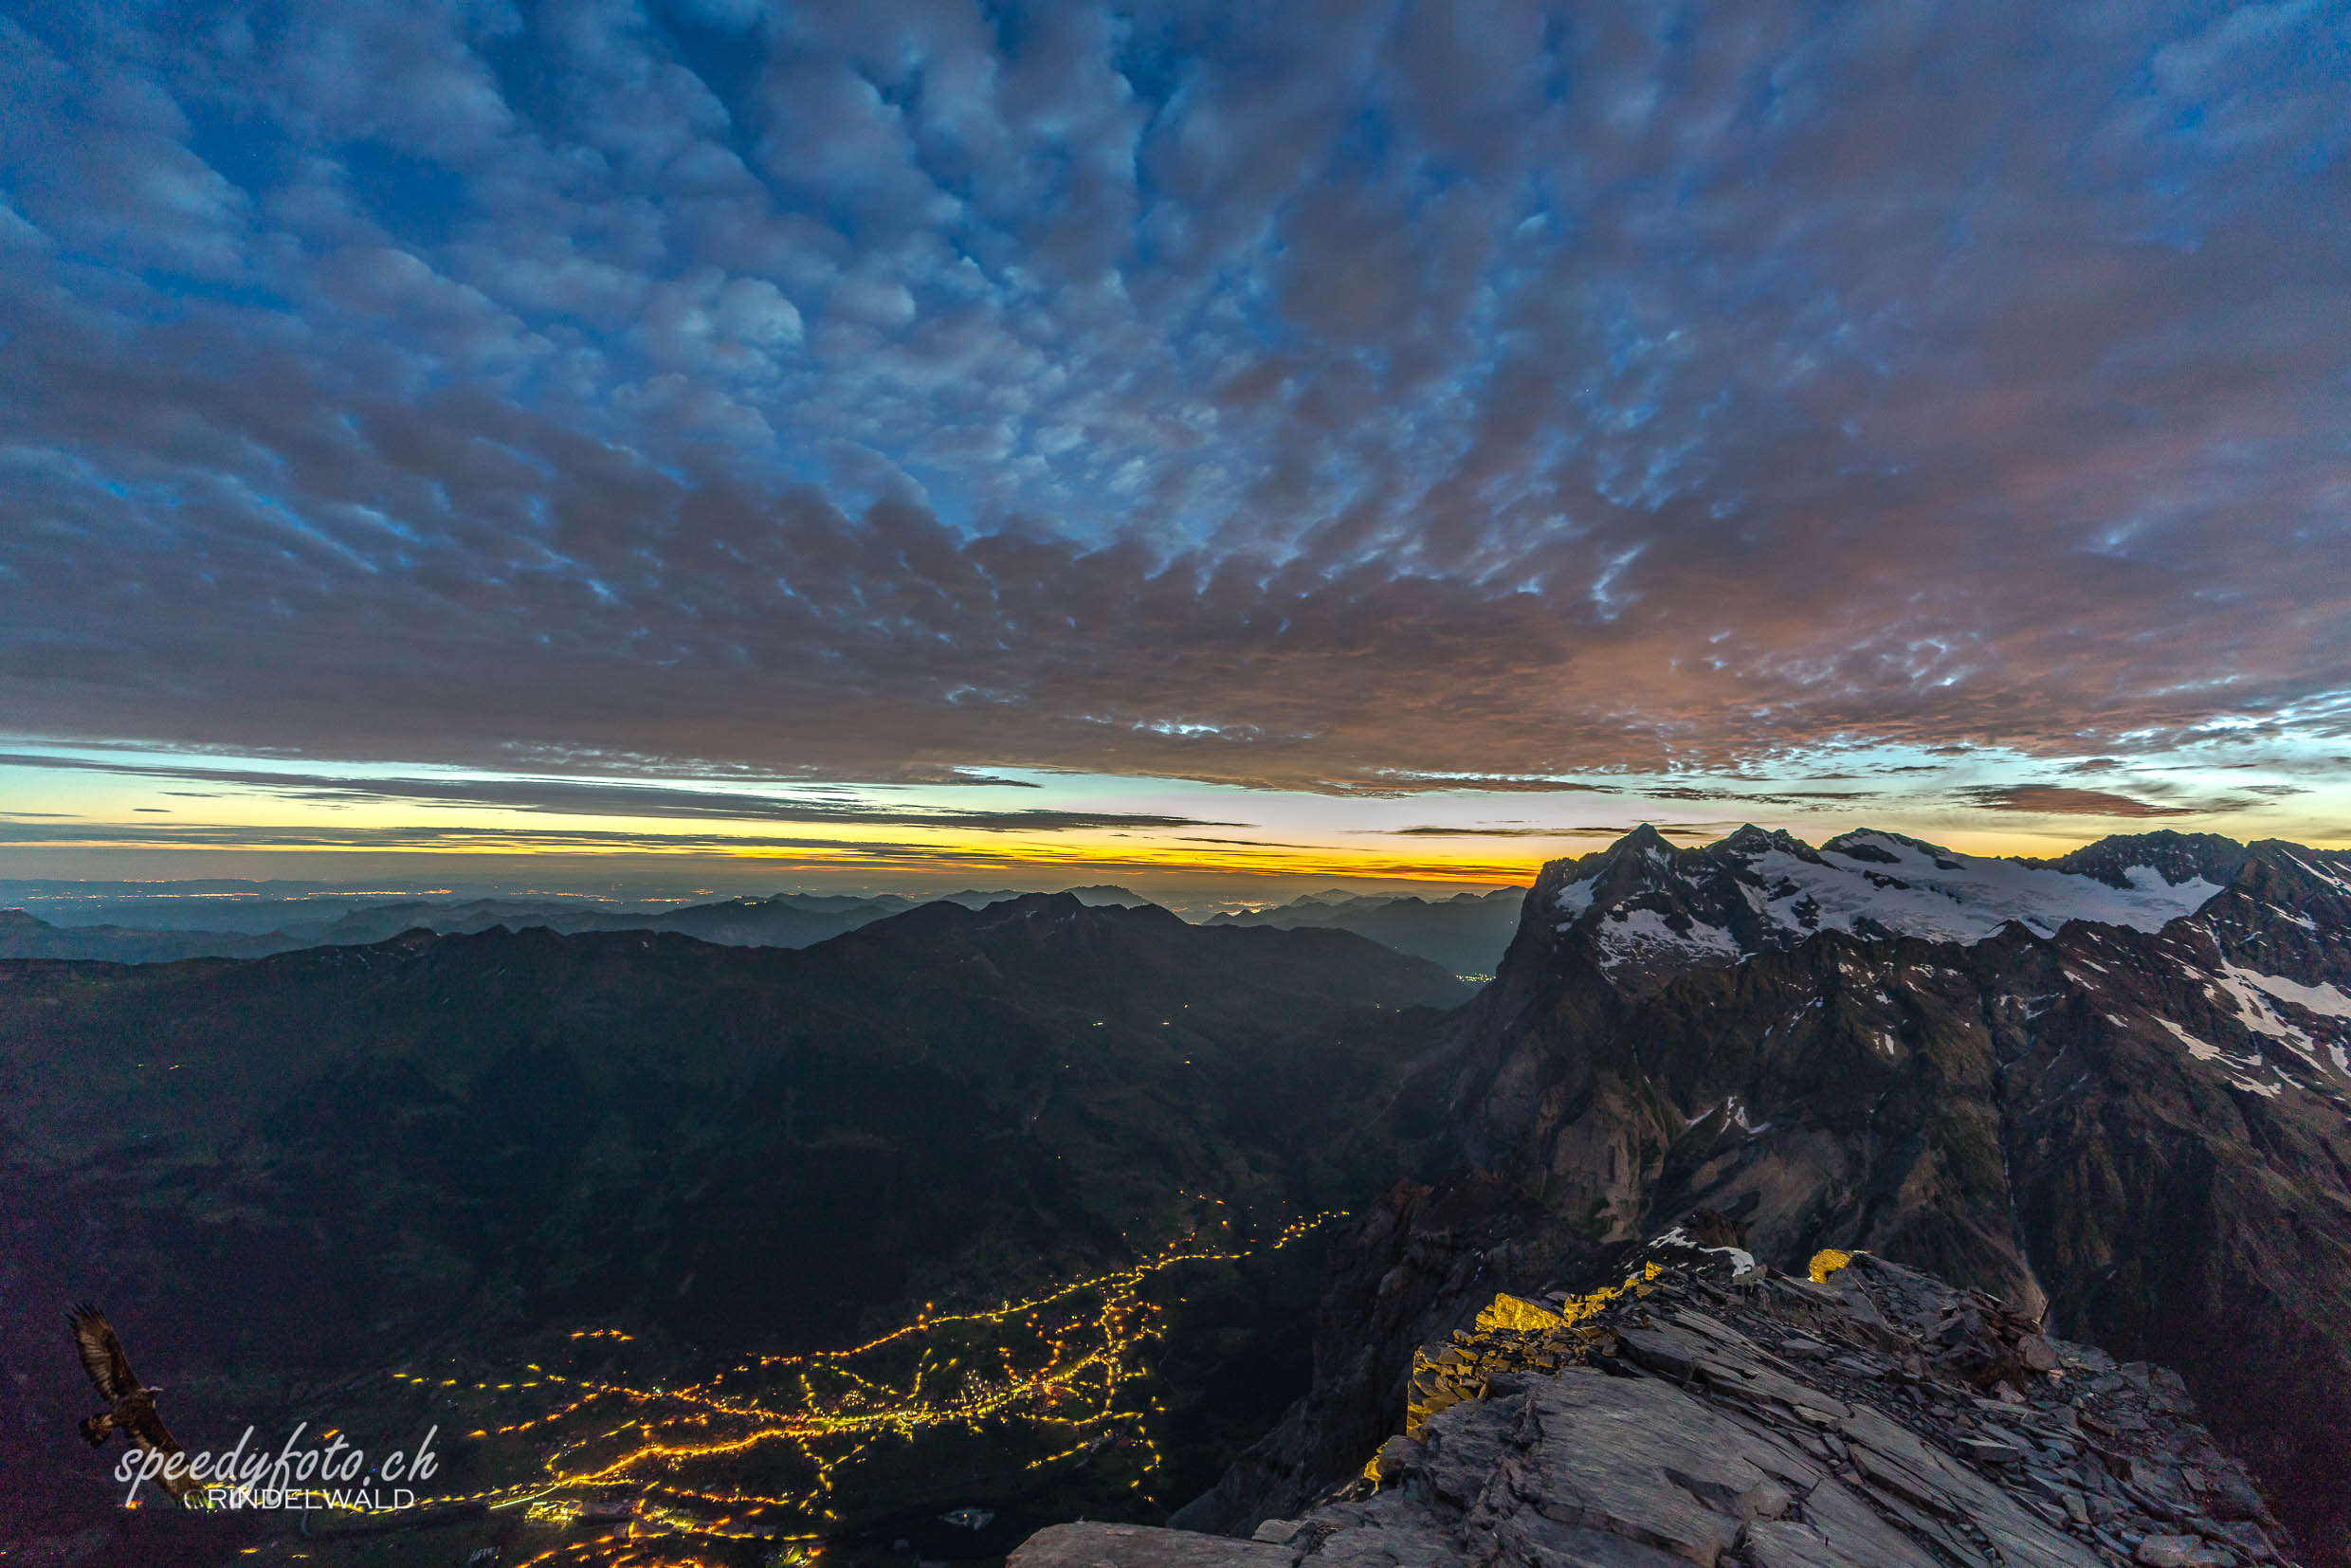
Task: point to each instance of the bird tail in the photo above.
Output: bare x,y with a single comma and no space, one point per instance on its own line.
96,1428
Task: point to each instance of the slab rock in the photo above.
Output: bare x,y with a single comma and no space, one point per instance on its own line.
1666,1422
2181,1552
1141,1546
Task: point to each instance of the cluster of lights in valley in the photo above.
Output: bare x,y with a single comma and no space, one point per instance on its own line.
1067,1365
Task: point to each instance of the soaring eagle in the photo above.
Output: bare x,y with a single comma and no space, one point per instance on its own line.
131,1407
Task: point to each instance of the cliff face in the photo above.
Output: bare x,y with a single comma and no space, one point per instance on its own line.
1421,1263
2116,1089
1708,1411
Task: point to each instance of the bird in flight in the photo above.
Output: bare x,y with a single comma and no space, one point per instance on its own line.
130,1405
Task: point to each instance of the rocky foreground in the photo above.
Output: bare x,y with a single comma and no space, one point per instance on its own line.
1708,1409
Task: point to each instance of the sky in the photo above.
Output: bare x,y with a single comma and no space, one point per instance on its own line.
725,445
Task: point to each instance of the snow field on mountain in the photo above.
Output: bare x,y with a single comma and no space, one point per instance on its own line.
1960,898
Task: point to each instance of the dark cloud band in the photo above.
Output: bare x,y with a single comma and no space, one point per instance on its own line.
2060,800
605,799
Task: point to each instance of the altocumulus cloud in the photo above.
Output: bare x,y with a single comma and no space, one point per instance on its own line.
1316,395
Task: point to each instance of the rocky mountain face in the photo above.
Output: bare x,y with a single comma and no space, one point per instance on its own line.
2113,1087
1704,1409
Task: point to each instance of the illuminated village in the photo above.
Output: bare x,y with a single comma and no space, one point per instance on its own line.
748,1464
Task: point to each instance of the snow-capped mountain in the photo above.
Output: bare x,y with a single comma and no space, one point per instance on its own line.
1646,911
2118,1082
1642,912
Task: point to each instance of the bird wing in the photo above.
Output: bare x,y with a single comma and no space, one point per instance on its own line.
102,1353
147,1431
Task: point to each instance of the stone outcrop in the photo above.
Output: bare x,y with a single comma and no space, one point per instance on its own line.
1709,1411
1422,1262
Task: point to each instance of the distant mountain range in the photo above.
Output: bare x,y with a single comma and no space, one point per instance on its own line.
23,936
1465,933
2117,1082
160,929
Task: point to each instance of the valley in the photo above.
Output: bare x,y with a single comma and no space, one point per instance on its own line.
297,1176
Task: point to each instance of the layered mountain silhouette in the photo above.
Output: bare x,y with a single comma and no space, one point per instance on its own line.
160,930
1466,933
25,936
2113,1085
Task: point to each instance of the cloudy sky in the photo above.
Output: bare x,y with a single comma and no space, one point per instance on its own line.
854,442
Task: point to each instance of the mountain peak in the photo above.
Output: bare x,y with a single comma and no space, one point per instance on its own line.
1877,844
2177,857
1642,911
1750,839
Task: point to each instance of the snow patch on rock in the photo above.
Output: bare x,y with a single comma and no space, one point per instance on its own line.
1953,896
2197,1048
2256,996
1643,934
1743,1260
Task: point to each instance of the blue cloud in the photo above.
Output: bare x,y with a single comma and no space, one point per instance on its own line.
1438,388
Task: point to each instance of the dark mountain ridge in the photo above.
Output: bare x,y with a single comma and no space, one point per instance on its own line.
24,936
171,929
1466,933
